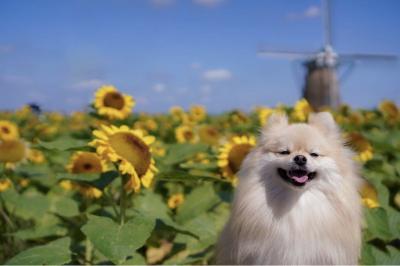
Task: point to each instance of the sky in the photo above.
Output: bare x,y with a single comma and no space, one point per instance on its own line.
184,52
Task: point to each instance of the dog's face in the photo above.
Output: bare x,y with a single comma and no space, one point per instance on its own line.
301,155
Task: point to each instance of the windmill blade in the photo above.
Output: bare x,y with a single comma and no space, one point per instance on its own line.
285,54
357,56
327,22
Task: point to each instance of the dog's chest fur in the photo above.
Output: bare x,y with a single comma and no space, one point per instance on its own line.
315,228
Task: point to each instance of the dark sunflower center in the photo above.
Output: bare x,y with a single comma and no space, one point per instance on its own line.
188,135
212,132
5,130
237,155
87,163
87,166
114,100
132,149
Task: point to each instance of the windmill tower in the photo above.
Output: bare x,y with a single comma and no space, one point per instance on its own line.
321,85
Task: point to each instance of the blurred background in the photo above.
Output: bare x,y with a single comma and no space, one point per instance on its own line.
182,52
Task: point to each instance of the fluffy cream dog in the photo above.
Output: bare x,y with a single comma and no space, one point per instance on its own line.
297,201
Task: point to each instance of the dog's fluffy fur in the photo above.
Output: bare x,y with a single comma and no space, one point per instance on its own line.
275,222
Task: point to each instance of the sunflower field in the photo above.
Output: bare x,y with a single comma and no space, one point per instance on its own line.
113,186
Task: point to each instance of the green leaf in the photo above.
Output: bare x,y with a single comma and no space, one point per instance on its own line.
150,204
198,201
63,206
41,232
394,254
54,253
200,166
115,241
63,144
98,180
178,176
386,258
378,224
204,226
367,258
78,177
376,180
31,204
394,221
181,152
41,173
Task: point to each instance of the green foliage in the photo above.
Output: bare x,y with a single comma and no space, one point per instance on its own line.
51,216
117,241
53,253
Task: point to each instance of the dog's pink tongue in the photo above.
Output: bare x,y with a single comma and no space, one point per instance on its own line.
300,179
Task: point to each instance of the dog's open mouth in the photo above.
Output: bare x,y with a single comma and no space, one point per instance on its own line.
296,177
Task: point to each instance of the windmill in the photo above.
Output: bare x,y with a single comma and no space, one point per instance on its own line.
321,85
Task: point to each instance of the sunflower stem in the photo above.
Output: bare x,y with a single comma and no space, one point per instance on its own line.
88,252
122,201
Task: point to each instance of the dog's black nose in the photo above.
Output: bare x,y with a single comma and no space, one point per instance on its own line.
300,160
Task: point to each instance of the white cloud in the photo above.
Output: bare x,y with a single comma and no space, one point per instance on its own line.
89,84
162,3
217,74
309,13
312,11
208,3
159,87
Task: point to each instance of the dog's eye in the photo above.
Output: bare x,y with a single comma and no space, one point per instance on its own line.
285,152
313,154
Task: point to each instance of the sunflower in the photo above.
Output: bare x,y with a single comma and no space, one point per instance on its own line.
89,191
86,162
24,182
146,125
130,150
23,112
177,113
209,134
369,196
301,110
397,199
238,117
158,149
199,158
185,134
5,184
109,102
55,117
8,130
361,146
232,154
197,113
36,156
13,151
356,118
175,200
68,185
263,114
390,111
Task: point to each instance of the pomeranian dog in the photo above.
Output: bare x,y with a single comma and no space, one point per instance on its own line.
297,200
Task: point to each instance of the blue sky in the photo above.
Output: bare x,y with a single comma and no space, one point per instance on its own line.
169,52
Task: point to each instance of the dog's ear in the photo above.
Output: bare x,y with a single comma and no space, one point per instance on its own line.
324,122
275,120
